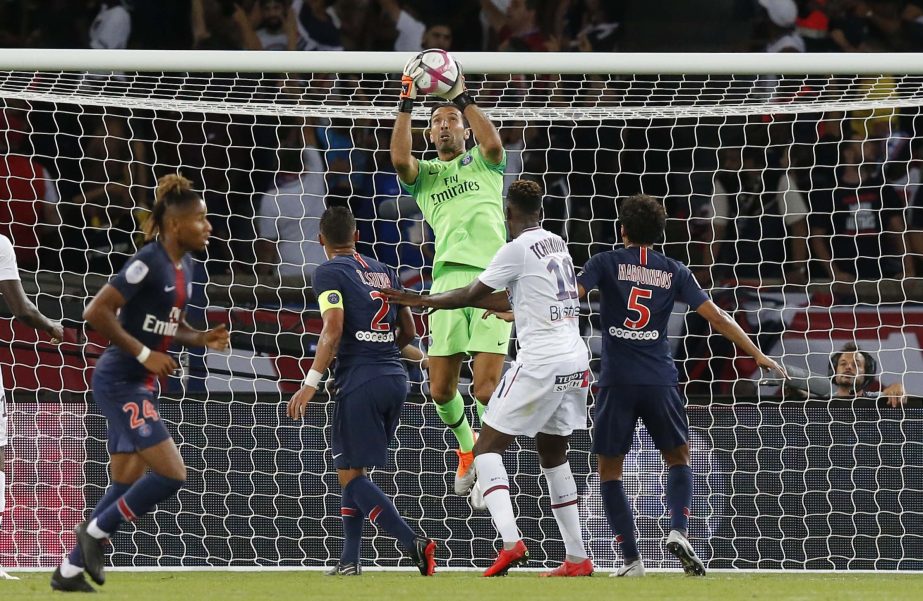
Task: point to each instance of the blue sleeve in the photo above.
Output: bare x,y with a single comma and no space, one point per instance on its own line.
325,278
688,289
589,276
134,275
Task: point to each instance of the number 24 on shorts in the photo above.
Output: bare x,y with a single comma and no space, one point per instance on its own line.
147,410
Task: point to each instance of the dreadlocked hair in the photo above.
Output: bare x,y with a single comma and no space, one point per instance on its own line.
173,190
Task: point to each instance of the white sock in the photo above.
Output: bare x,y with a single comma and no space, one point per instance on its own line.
563,491
94,530
495,483
69,570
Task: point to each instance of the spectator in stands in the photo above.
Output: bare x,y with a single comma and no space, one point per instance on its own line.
518,28
112,26
437,35
864,25
318,24
115,184
595,26
214,26
410,30
912,22
270,25
756,209
28,194
288,216
778,26
857,225
813,25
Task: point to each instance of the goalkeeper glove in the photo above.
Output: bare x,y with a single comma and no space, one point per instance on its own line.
458,94
408,86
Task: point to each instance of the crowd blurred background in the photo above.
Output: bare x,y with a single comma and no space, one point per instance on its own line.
786,200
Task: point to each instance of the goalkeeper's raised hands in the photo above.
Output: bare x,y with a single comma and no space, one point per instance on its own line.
411,71
458,89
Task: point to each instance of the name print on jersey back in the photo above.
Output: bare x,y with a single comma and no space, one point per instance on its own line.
538,273
353,283
638,288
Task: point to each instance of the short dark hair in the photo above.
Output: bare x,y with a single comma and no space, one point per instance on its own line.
525,195
338,225
870,371
438,23
450,105
643,218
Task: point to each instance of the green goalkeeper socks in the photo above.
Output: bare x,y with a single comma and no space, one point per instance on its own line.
453,415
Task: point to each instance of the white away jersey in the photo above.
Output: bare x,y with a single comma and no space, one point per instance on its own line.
8,268
538,273
8,271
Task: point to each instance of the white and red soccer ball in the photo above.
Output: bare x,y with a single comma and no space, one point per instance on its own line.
439,72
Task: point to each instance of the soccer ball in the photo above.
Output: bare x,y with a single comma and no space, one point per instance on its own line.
438,74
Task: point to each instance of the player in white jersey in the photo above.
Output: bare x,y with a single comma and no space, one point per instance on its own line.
543,394
23,309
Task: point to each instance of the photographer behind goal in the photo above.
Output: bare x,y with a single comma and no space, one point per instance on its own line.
852,380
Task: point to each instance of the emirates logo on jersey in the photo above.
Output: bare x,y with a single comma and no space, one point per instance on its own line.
162,328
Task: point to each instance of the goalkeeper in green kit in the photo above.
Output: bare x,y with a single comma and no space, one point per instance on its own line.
461,196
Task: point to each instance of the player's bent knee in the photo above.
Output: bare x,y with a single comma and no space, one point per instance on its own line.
443,390
610,468
677,456
484,391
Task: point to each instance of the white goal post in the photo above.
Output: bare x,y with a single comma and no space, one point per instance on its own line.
753,155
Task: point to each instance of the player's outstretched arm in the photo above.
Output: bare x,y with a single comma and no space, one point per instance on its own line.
102,313
470,296
727,327
327,347
25,311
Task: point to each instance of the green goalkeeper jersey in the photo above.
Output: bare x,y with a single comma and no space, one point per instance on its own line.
462,200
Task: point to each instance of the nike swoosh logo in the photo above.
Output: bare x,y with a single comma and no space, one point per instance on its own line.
337,455
169,288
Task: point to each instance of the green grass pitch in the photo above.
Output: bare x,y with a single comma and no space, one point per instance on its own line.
469,586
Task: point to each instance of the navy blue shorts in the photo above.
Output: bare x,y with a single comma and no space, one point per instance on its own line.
364,422
660,408
132,415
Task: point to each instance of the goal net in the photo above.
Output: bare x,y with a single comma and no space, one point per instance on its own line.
793,195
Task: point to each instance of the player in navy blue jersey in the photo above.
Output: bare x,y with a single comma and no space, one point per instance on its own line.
142,312
364,332
638,287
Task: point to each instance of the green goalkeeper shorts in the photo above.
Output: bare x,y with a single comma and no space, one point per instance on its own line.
464,330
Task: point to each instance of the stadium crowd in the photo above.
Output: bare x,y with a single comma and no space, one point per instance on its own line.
826,198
